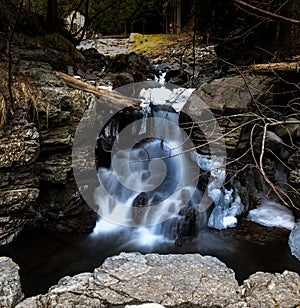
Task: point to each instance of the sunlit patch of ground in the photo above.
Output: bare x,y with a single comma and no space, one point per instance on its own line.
156,44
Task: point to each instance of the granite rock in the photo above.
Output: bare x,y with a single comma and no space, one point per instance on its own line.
272,290
189,280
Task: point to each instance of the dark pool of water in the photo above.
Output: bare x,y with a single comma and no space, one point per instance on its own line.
45,257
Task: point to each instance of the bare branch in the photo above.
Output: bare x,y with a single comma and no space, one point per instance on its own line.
266,13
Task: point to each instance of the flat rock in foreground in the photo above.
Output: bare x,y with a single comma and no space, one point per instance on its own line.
189,280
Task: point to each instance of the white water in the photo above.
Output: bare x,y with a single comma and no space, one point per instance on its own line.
156,172
163,96
156,168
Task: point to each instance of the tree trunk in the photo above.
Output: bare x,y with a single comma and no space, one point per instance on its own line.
178,16
287,67
109,97
52,16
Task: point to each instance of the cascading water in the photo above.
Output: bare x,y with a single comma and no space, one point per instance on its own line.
122,199
151,188
163,182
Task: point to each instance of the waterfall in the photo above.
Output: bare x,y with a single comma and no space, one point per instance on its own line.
151,187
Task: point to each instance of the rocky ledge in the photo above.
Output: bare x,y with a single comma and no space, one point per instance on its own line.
189,280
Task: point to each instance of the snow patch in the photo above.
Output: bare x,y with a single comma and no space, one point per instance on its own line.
272,214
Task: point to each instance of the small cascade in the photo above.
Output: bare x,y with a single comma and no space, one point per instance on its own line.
151,190
112,129
155,161
176,97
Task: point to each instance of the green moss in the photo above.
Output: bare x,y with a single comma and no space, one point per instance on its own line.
54,41
153,44
60,43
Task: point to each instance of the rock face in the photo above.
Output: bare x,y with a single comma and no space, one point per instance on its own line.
10,286
189,280
37,184
230,96
19,148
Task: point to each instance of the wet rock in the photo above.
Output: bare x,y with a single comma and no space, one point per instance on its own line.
141,200
132,63
289,130
37,183
51,56
17,211
188,225
139,203
272,142
56,169
133,278
19,148
18,178
121,79
272,290
231,94
177,77
64,210
17,200
10,287
95,60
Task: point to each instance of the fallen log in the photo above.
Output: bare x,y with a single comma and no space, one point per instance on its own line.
118,100
282,67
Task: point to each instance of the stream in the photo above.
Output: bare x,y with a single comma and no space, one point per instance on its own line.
45,257
154,205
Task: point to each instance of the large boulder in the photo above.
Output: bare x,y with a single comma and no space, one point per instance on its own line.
10,287
272,290
231,96
171,280
189,280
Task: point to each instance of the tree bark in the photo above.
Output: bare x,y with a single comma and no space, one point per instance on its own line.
288,67
52,16
178,17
